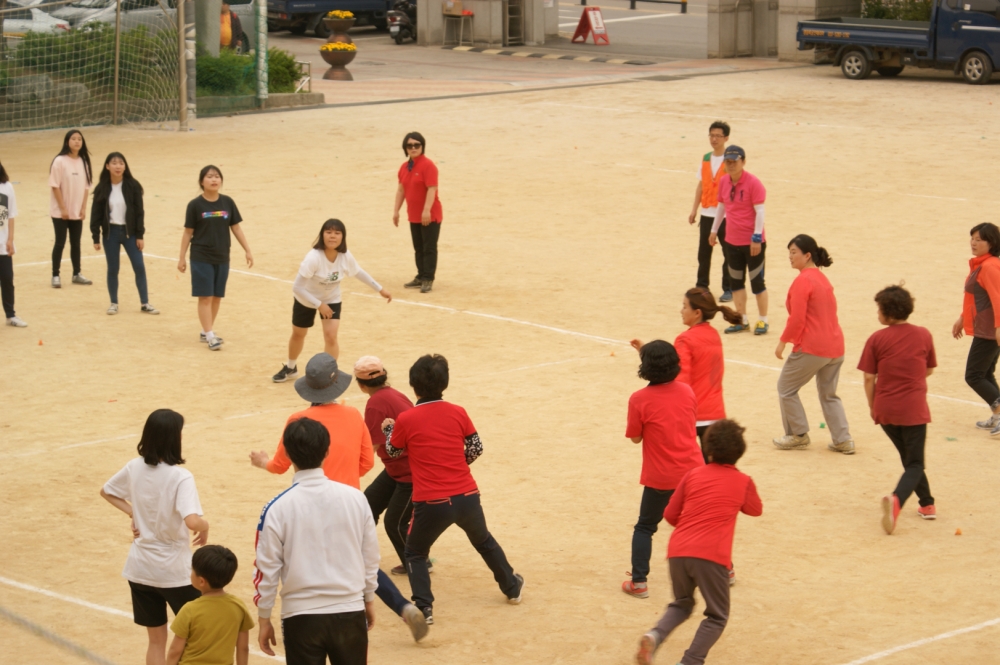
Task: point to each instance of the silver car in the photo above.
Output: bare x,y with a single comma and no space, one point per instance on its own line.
19,18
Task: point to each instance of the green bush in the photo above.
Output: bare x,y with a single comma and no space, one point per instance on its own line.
227,74
900,10
282,71
4,76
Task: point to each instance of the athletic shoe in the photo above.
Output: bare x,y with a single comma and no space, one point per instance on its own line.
18,323
791,442
647,647
426,286
890,511
113,309
56,282
727,296
215,344
283,375
149,309
414,618
80,279
414,283
634,590
845,447
990,422
428,615
732,577
516,600
995,430
761,328
927,512
401,570
739,327
202,337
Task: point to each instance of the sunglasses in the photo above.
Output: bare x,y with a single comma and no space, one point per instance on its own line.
414,146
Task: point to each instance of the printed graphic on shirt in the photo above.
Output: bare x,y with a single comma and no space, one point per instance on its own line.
332,278
3,210
213,214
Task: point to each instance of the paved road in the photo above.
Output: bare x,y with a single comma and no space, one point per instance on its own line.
653,30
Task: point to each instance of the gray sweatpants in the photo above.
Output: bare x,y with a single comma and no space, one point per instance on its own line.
798,370
686,573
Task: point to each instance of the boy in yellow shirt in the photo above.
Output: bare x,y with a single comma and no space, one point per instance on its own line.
206,630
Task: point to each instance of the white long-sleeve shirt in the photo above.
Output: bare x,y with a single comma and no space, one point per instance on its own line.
318,280
318,538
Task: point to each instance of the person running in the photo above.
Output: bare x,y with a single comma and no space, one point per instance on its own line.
741,206
897,361
661,417
981,320
207,224
703,511
418,186
317,287
117,215
706,196
70,177
162,501
8,211
442,442
817,349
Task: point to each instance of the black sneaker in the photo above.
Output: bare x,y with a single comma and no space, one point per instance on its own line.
426,286
285,372
428,615
414,283
516,600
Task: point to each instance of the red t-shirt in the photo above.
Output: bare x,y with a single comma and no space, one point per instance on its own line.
703,511
664,415
388,403
812,325
702,366
900,355
433,434
415,183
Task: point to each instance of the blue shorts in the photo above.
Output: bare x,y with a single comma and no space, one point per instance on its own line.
208,280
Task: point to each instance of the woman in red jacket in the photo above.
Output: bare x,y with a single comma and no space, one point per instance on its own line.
817,349
981,319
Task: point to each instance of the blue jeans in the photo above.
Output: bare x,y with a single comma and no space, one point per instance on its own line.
112,248
389,594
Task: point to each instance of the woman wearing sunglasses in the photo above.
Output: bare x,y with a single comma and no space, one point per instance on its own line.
418,185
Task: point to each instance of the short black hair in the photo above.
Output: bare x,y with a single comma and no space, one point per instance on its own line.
718,124
724,442
161,438
332,224
217,564
306,441
990,233
377,382
416,136
659,362
205,171
895,302
429,376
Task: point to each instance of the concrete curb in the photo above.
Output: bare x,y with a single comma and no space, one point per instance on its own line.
547,56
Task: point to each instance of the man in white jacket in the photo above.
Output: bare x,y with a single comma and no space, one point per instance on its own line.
318,537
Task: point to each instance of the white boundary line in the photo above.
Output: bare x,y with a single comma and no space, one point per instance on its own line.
94,606
927,640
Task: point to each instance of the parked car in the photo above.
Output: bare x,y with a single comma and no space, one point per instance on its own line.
81,9
298,16
19,18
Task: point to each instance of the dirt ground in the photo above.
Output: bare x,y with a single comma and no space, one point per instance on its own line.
565,235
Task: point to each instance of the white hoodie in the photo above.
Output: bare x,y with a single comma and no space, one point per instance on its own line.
318,537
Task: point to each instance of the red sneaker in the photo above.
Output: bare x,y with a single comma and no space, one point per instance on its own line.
927,512
890,511
647,647
634,590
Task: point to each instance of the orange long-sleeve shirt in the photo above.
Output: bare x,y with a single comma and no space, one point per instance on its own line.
981,316
350,456
812,325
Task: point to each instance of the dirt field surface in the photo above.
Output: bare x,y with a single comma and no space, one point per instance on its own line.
565,235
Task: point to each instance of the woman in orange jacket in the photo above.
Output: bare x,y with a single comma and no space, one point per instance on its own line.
981,319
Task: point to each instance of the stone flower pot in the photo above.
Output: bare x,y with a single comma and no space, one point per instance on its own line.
338,61
339,25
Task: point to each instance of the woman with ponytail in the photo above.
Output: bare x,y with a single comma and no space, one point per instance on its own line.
817,349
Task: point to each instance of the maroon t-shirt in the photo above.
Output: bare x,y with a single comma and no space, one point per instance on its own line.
388,403
900,355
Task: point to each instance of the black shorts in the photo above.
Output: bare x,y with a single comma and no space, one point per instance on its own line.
304,317
149,603
741,264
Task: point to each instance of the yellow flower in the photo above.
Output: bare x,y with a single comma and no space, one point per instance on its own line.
338,46
339,14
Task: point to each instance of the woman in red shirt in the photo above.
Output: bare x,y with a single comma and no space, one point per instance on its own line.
817,349
418,186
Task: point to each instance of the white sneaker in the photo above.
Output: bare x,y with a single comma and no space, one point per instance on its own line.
845,447
791,442
16,322
990,422
113,309
215,343
149,309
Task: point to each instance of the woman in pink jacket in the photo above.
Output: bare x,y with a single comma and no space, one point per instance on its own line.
981,319
817,349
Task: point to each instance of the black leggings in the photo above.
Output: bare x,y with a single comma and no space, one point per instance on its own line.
7,285
980,369
393,498
75,228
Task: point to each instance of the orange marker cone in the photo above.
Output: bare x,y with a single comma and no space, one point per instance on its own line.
958,532
39,342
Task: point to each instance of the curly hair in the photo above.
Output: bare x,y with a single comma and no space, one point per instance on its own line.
895,302
659,362
724,442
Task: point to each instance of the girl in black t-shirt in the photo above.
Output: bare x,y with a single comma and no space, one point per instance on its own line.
209,219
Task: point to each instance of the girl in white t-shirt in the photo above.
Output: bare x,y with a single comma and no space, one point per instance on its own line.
162,501
317,288
8,211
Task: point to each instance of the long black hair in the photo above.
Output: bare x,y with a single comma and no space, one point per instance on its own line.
103,189
3,175
161,438
332,224
84,153
808,245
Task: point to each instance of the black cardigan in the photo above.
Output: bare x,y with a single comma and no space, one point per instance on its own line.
135,216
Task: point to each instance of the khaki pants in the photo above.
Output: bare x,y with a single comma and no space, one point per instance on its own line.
798,370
